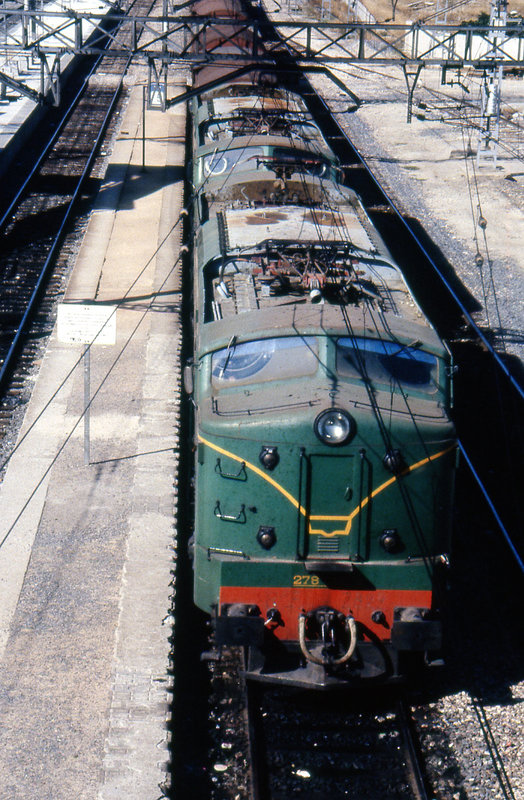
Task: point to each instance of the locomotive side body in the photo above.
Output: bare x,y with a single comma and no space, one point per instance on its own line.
324,451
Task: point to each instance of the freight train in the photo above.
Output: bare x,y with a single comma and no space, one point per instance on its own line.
325,452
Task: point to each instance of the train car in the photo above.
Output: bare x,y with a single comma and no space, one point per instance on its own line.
324,448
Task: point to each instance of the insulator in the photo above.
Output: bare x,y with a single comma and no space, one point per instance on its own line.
479,261
483,223
491,105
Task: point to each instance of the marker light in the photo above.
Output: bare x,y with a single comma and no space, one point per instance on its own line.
269,457
266,537
334,426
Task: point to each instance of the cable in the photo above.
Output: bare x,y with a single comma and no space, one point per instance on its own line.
404,494
78,361
95,394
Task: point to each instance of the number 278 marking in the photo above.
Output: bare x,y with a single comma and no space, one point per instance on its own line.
306,580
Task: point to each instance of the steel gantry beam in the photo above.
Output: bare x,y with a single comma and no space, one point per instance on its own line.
309,42
162,39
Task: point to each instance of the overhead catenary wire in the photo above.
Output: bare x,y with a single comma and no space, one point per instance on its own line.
479,221
130,337
386,438
467,315
120,303
340,227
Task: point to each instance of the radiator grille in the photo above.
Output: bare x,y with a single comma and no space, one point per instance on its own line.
330,545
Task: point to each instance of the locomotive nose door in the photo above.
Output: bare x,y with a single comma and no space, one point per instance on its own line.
334,523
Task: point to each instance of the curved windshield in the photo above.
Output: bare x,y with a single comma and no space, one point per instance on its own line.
387,362
264,360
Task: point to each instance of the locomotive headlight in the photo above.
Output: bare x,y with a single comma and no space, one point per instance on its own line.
269,457
334,426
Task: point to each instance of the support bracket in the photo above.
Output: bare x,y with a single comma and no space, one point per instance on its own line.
412,76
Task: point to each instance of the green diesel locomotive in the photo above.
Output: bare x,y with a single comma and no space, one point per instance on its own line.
324,449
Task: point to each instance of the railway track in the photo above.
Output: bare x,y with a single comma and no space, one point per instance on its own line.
41,228
269,743
285,758
329,747
333,746
338,763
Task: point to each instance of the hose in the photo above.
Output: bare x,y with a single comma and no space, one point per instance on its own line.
351,628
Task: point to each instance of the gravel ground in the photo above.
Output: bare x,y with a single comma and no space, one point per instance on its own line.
473,735
472,727
429,169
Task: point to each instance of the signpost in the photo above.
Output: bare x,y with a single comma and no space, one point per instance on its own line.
88,324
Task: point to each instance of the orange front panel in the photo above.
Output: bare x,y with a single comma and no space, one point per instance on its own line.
360,604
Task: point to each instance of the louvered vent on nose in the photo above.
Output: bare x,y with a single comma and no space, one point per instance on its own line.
330,545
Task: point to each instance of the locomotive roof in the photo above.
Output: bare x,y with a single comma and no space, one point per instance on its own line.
225,106
279,240
308,319
316,146
212,8
260,83
255,185
247,226
210,72
243,251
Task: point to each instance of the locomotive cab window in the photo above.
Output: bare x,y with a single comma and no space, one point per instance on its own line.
387,362
264,360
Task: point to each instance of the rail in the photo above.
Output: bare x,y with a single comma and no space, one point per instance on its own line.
463,310
259,777
489,501
414,765
7,366
281,753
64,214
4,220
499,363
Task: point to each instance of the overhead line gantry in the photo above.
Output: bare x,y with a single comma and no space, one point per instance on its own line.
163,39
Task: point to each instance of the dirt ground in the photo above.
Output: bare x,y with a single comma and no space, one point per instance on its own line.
435,10
472,209
432,11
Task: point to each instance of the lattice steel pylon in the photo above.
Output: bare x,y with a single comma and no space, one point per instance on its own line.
491,91
326,11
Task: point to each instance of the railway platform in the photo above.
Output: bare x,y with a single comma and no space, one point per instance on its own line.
87,550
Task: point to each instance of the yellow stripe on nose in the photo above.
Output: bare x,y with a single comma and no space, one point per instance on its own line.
348,519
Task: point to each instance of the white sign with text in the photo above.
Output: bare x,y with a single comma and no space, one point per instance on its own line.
86,323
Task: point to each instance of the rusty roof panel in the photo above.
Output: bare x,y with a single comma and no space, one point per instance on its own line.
225,106
247,227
